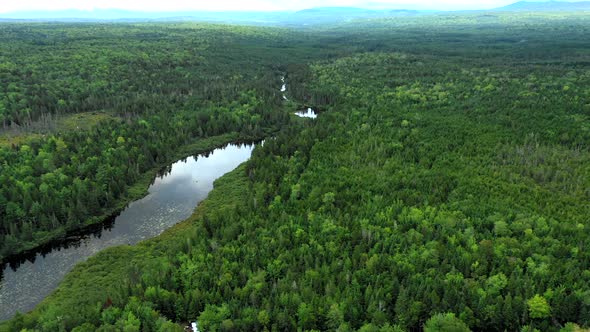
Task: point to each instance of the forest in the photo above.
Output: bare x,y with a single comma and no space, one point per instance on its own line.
58,173
444,186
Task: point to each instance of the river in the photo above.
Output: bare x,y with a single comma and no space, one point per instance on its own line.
308,113
172,197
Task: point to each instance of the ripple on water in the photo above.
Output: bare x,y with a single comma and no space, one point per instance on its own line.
172,198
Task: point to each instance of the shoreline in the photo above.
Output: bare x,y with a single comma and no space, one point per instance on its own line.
135,192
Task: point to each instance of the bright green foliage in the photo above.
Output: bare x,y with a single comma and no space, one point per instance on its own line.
496,283
212,318
571,327
153,108
445,323
446,172
86,327
538,307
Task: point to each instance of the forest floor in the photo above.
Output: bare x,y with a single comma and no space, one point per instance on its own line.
43,127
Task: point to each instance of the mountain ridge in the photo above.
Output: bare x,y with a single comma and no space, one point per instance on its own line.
547,6
304,16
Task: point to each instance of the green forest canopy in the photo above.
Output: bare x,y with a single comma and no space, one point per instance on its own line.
444,186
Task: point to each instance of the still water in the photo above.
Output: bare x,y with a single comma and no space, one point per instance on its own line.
309,113
172,197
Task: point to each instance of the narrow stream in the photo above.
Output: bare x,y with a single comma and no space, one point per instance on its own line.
309,113
172,197
284,88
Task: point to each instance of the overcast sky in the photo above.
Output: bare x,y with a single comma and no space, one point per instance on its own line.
175,5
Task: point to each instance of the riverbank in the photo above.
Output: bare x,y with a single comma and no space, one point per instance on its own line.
134,192
101,277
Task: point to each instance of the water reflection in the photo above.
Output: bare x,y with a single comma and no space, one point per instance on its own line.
284,88
309,113
172,197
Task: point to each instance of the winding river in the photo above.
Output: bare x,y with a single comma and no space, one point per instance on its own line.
172,197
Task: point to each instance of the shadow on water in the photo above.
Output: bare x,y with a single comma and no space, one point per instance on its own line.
177,189
75,238
72,240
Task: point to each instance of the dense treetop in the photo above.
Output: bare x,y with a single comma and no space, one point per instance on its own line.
150,90
444,186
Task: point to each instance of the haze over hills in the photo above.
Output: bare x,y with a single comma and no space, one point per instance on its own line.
302,17
118,14
547,6
306,16
414,171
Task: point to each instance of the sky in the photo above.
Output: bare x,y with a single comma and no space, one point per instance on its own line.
217,5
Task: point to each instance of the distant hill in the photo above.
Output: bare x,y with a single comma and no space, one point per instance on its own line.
336,10
304,17
311,16
98,14
547,6
123,15
335,14
356,12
